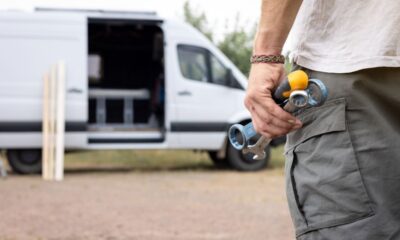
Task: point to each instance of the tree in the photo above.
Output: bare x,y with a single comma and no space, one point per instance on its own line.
236,44
197,20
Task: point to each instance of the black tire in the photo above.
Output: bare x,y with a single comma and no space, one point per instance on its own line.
26,161
245,162
218,162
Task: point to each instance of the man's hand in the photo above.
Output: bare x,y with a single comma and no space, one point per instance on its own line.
269,119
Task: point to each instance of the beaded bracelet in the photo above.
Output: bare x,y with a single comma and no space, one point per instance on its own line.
267,59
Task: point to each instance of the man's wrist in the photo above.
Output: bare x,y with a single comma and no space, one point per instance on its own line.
260,50
266,48
267,43
279,58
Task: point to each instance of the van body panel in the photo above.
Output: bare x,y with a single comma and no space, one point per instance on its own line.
30,43
24,140
239,117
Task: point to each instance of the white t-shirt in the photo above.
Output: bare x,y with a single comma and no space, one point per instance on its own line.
342,36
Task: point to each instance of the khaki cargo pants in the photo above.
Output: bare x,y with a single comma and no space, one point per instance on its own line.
343,166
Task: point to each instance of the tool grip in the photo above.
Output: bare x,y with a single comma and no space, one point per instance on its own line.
279,94
297,80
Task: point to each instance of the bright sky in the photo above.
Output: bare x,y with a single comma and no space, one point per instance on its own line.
218,11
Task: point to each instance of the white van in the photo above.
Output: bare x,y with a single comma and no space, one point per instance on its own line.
134,81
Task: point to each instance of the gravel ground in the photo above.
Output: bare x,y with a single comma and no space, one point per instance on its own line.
125,204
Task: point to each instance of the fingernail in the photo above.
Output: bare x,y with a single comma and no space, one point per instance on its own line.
291,121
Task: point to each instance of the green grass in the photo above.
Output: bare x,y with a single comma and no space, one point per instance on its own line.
142,160
138,159
277,158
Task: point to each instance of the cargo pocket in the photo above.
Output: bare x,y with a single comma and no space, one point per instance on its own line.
323,181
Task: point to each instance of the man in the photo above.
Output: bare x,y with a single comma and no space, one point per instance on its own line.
343,158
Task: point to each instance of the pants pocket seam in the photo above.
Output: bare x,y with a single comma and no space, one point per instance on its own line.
294,190
332,223
358,167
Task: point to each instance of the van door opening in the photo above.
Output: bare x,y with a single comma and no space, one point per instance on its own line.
126,81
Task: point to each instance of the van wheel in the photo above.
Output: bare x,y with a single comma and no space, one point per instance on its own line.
245,162
27,161
218,162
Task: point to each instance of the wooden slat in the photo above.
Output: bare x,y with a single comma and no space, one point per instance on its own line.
45,128
60,122
52,123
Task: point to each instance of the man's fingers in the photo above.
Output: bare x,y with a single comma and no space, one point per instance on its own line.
271,126
269,106
270,109
259,126
272,121
274,128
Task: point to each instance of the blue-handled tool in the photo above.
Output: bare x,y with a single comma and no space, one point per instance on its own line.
239,136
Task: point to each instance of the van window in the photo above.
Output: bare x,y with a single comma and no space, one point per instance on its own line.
219,72
197,63
193,63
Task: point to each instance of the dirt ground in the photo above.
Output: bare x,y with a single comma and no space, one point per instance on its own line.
125,204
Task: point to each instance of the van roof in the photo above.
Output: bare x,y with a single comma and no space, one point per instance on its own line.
101,13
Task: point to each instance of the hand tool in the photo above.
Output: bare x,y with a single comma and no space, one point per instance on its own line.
240,136
297,99
296,80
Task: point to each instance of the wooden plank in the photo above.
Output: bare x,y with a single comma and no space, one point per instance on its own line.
52,107
45,128
60,122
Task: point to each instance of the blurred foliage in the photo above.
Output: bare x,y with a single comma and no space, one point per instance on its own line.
237,44
288,64
197,20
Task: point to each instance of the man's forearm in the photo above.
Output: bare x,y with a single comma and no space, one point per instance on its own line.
277,17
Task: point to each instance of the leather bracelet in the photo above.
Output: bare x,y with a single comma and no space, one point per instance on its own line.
267,59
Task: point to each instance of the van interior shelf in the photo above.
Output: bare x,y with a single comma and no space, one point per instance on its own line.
126,100
143,94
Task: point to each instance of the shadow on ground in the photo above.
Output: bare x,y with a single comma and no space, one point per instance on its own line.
127,169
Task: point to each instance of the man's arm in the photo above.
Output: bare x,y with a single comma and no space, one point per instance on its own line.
277,17
270,120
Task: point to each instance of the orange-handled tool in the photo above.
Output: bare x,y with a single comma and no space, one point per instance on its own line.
297,80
